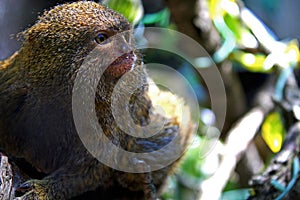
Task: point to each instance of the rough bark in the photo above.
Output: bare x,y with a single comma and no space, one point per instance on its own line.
281,170
10,178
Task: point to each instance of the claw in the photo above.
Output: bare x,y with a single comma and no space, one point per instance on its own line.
31,189
24,188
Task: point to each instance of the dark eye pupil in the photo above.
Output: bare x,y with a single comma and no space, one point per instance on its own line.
101,37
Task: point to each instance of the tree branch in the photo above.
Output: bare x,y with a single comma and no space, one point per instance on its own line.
237,142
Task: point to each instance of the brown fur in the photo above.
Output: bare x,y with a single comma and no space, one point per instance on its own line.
36,121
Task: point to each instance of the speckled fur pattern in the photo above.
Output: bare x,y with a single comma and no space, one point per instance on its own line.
36,121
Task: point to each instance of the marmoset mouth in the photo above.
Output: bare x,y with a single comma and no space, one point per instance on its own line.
122,64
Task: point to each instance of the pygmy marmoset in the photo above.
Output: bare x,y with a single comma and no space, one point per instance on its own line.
36,118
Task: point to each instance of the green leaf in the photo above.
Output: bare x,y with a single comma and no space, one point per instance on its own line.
249,61
273,131
242,34
240,194
132,9
161,18
191,164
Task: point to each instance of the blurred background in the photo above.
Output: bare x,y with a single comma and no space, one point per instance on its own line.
255,75
17,15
